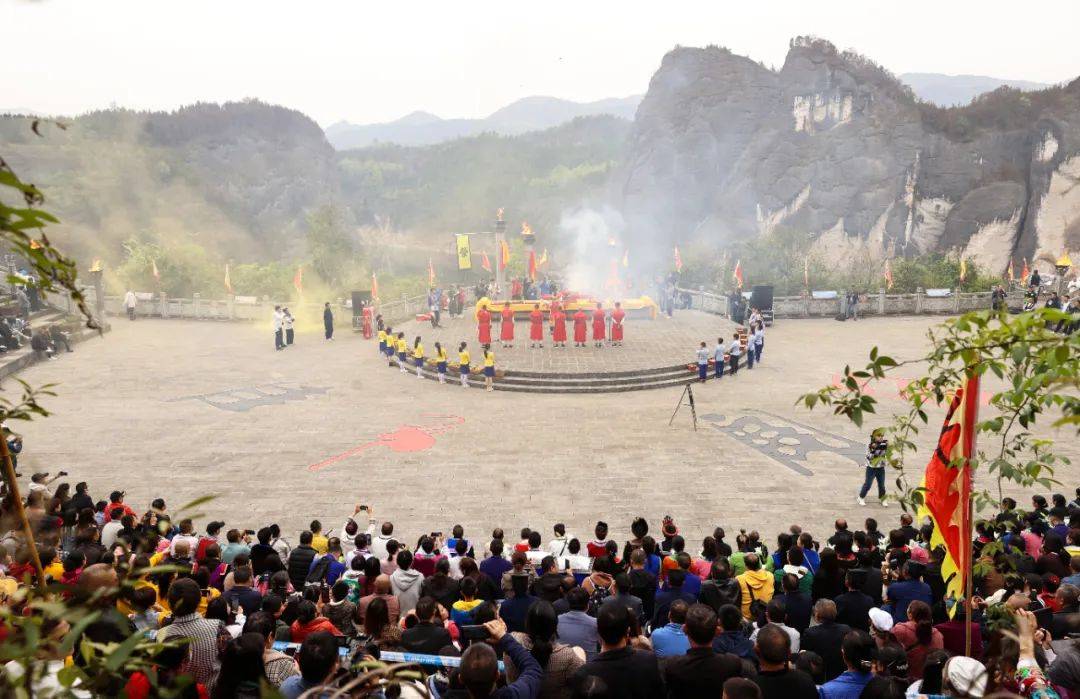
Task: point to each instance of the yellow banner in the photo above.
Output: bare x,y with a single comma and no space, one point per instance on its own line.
464,252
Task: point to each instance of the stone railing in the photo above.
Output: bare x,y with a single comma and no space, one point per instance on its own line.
938,302
250,308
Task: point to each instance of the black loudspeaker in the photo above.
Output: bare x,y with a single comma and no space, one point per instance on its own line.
359,300
761,298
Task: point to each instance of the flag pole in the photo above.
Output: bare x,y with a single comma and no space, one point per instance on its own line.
970,574
20,512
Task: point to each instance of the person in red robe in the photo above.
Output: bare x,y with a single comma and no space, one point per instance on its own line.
483,321
579,328
507,334
367,323
616,324
558,330
599,325
536,326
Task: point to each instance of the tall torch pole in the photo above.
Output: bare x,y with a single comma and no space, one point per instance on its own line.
500,230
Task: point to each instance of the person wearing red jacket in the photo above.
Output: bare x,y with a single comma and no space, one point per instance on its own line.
617,324
579,328
558,330
507,334
599,323
308,622
483,325
536,326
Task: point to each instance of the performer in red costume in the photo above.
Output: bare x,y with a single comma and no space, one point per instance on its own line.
579,328
598,325
536,326
558,331
616,324
483,320
507,335
367,322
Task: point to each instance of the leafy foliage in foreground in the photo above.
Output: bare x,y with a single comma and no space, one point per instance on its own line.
1029,370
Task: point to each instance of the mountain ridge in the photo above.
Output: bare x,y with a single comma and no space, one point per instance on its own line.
422,128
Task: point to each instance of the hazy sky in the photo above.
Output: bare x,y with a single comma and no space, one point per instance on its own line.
375,60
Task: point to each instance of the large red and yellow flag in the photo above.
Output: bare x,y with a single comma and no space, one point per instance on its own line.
374,288
298,280
430,273
1025,273
485,263
737,274
1010,273
947,494
678,260
228,280
888,274
504,254
532,265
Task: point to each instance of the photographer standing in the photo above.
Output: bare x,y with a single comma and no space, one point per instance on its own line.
875,467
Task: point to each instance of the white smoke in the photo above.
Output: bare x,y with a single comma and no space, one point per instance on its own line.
589,231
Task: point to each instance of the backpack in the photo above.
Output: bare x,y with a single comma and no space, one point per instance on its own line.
599,594
317,575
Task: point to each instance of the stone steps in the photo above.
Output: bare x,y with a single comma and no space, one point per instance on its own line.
561,382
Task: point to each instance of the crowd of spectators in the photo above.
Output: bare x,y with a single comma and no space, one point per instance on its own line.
852,612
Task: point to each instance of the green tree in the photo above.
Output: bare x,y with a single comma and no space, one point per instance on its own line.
1032,372
329,244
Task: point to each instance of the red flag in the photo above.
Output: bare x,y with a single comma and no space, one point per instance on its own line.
485,263
888,274
1011,274
228,281
678,260
298,280
532,265
504,254
1025,273
947,483
374,288
430,273
737,274
154,270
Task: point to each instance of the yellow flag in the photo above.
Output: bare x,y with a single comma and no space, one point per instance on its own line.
464,252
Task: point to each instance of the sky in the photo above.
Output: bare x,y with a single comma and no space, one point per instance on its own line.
375,60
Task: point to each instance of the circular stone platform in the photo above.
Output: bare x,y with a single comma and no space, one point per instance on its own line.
654,354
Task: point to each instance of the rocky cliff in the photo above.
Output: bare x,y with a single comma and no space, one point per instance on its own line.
723,148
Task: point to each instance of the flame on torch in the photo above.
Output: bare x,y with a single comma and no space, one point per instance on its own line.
526,229
499,214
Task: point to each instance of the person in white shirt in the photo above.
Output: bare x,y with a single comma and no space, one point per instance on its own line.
775,615
702,363
380,540
129,304
718,357
280,546
112,527
759,341
279,320
574,559
535,554
558,545
734,350
287,323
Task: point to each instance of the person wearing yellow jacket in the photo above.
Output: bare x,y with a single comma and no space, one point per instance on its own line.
756,584
440,362
418,357
463,364
489,368
402,352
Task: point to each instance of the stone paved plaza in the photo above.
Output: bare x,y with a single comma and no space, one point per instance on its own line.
180,409
648,343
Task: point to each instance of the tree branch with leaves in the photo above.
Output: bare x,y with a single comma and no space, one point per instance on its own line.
1037,381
